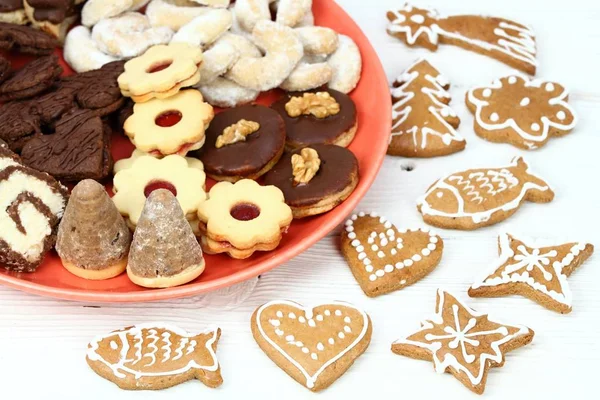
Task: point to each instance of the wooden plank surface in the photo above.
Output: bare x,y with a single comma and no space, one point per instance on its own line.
42,341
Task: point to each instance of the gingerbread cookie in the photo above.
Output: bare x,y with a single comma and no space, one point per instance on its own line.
174,125
315,179
424,125
164,251
26,39
170,356
502,39
317,117
476,198
12,12
463,342
31,206
79,149
93,239
523,112
161,72
383,258
243,142
243,217
32,79
534,270
314,346
134,184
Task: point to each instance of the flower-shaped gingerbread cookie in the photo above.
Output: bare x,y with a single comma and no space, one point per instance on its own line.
170,126
242,218
523,112
134,184
161,72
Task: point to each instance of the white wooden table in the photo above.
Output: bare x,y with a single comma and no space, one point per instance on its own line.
43,341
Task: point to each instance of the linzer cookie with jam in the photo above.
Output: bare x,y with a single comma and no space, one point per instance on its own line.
32,79
93,239
31,206
243,217
25,39
12,12
164,251
243,142
80,148
315,179
52,16
317,117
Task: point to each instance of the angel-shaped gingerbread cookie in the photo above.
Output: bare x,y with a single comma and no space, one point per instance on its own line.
502,39
521,111
423,123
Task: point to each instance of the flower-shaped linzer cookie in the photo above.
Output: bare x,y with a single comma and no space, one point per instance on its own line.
242,218
133,185
161,72
170,126
523,112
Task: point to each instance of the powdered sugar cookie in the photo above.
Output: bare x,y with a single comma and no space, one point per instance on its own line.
81,52
218,59
173,13
161,72
523,112
287,12
314,346
346,63
128,35
213,3
96,10
502,39
383,258
222,92
171,356
463,342
283,51
204,29
175,125
535,270
243,217
424,125
318,40
476,198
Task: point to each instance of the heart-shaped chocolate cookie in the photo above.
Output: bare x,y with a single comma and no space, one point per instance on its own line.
383,258
314,346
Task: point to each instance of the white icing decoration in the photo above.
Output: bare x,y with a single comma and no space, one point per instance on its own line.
525,101
311,379
494,117
417,19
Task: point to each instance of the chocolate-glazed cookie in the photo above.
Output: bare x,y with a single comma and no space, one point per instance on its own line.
32,79
11,11
335,179
304,130
52,16
5,69
249,158
20,123
26,39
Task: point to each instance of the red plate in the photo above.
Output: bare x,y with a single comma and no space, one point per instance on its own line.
374,110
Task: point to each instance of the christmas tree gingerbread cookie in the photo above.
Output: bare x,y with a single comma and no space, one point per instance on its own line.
534,270
502,39
523,112
423,123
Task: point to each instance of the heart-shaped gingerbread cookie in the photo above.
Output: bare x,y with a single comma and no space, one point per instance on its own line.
314,346
383,258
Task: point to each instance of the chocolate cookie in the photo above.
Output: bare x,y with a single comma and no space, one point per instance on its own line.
32,200
80,148
32,79
125,112
311,126
247,153
314,185
4,69
10,5
54,11
21,122
26,39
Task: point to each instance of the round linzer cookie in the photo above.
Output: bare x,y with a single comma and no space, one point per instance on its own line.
315,179
243,142
314,346
317,117
155,356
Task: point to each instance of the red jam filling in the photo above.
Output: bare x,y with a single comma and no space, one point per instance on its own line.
158,184
168,118
245,212
159,66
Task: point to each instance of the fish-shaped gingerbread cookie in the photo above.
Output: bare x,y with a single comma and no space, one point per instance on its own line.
476,198
155,356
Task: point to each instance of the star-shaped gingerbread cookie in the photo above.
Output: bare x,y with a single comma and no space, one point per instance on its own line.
462,342
538,272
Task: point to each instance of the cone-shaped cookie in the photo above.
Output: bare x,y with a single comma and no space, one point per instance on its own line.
164,251
93,238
